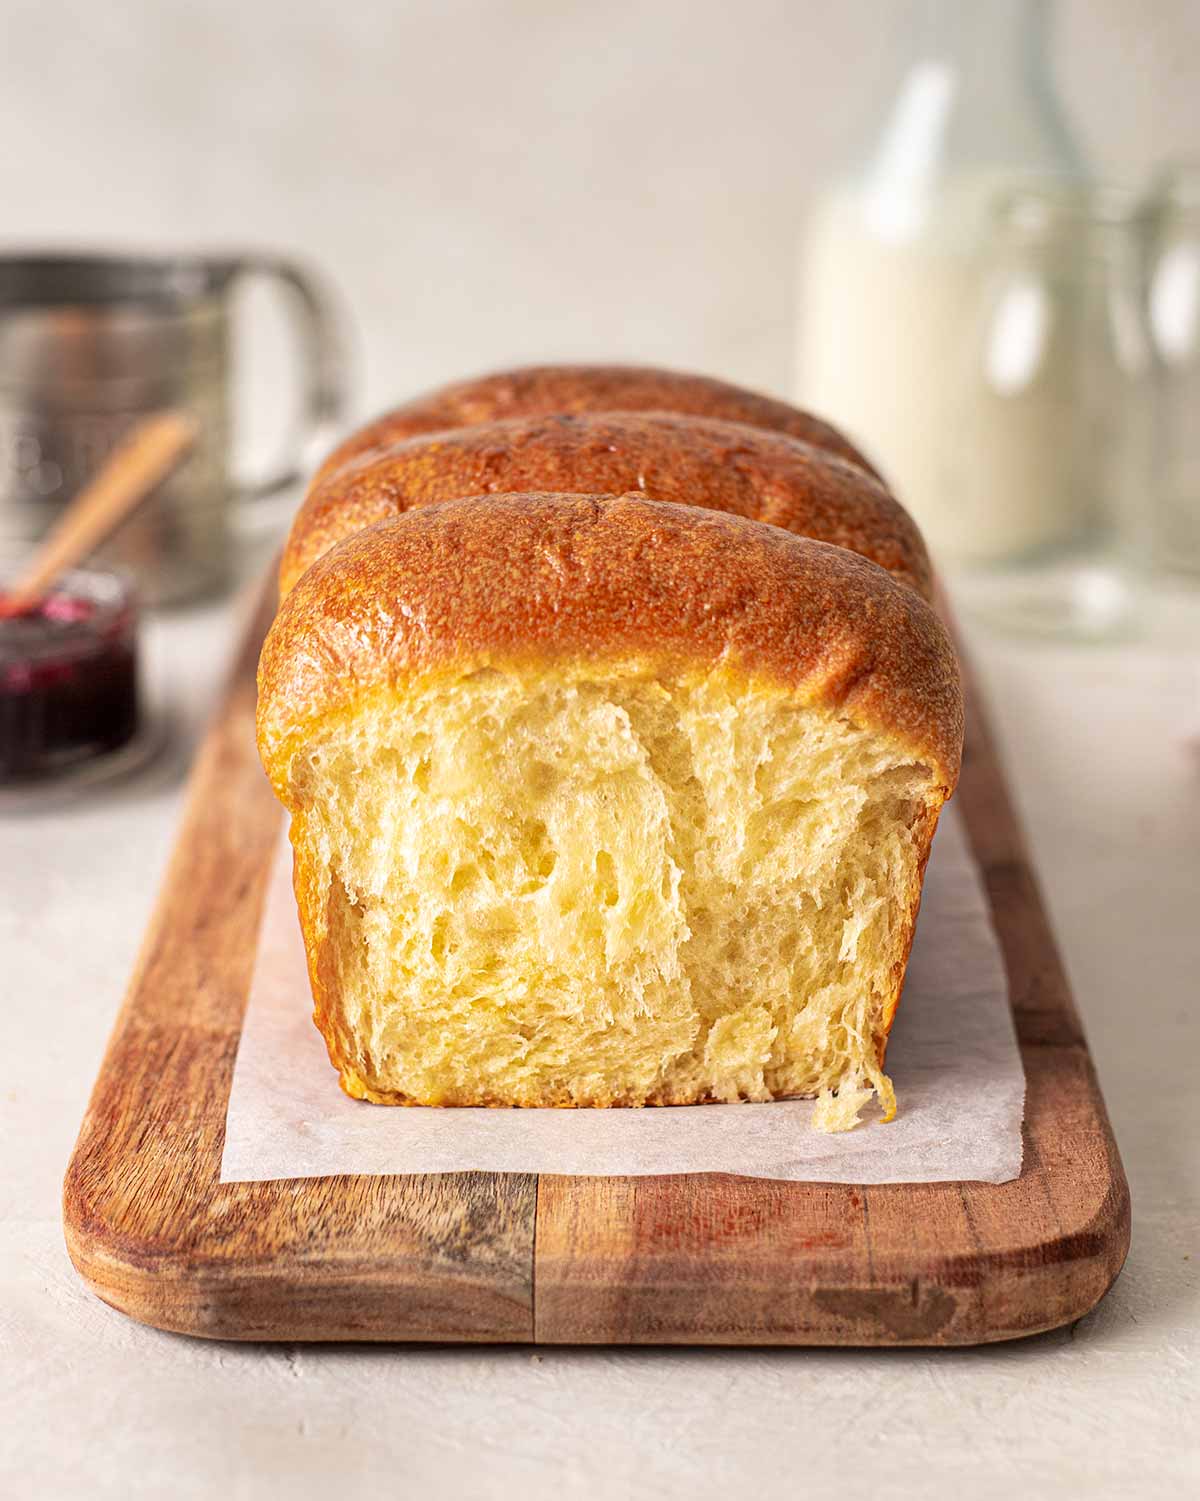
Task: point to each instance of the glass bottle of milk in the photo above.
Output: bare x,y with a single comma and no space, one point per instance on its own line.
894,269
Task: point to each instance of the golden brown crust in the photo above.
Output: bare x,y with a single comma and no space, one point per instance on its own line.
718,465
544,579
540,390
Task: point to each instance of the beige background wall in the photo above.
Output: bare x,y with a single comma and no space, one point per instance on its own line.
489,182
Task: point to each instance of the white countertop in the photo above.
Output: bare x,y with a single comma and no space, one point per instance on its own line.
1104,748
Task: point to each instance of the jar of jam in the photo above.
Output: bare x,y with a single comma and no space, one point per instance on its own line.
68,676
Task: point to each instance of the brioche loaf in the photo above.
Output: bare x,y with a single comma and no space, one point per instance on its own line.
767,476
598,800
541,390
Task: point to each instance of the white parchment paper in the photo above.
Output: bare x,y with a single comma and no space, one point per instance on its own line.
953,1059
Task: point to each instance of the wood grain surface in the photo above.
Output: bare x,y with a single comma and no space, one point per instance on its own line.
707,1259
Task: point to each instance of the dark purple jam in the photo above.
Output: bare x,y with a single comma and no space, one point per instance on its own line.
68,677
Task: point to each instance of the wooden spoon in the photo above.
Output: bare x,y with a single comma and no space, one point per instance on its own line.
134,469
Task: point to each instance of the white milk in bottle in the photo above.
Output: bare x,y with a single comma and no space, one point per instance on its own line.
902,326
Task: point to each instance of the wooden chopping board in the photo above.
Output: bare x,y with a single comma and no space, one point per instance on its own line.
710,1259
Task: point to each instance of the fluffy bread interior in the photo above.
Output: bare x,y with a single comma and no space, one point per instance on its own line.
604,885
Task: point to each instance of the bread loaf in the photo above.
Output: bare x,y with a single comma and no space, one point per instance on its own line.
598,800
767,476
541,390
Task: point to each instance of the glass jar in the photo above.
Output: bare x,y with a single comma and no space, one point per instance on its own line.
1053,446
1175,321
893,258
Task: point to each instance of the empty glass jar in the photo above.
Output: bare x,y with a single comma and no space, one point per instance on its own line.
1053,441
1175,320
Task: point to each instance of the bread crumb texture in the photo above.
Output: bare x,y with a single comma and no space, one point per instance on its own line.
602,886
599,800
